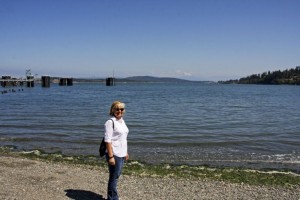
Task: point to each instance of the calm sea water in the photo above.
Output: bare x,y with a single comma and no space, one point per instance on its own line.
254,126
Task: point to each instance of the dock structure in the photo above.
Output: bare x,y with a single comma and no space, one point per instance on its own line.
110,81
30,81
30,78
66,81
45,81
8,81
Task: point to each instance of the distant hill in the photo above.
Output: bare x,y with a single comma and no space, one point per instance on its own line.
150,79
142,79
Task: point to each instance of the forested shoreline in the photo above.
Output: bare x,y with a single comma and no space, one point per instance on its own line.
287,77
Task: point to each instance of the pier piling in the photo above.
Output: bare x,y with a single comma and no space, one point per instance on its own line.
45,81
30,81
110,81
66,81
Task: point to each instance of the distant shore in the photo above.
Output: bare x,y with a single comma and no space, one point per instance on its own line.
31,177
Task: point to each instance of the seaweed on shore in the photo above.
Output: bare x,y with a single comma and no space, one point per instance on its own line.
135,168
54,156
235,175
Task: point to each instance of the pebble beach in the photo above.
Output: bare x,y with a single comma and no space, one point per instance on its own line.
30,179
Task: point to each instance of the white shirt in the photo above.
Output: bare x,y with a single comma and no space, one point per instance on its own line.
117,136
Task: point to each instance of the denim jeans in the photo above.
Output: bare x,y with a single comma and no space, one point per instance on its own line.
114,174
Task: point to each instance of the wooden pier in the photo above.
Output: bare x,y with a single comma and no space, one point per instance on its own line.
7,82
66,81
110,81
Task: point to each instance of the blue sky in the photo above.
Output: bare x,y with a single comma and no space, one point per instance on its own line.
190,39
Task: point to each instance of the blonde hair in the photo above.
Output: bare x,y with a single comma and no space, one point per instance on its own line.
114,105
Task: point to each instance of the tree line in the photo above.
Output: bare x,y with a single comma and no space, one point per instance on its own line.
288,76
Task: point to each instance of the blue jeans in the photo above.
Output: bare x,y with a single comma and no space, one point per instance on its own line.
114,174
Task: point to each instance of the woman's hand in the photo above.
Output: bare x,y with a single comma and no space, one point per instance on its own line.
127,157
111,161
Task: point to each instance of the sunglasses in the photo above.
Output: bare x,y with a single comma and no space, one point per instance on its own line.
119,109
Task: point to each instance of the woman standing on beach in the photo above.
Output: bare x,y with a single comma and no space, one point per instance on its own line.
116,133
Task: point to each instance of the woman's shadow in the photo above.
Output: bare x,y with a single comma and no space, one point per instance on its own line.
83,195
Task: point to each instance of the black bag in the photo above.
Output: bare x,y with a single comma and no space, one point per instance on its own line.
102,148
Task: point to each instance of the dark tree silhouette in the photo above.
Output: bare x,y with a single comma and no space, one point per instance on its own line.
288,76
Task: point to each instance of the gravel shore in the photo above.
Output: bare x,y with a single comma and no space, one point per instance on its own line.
27,179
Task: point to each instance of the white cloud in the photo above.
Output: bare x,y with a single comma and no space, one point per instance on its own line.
182,73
